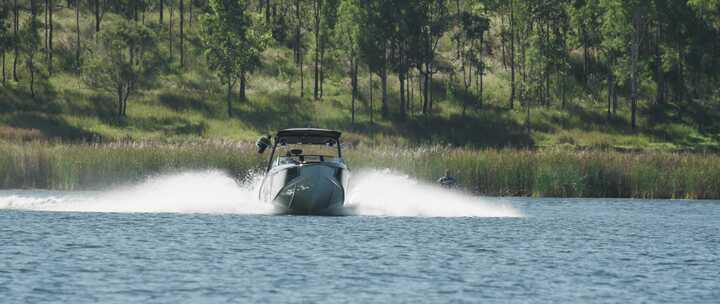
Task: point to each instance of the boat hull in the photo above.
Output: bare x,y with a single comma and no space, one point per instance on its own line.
307,188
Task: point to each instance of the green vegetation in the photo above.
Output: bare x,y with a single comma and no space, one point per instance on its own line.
579,74
489,172
596,95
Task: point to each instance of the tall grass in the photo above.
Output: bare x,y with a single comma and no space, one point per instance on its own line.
557,173
85,166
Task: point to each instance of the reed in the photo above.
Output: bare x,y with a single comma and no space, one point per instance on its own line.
501,172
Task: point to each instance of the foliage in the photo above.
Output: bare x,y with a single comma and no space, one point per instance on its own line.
232,44
564,59
125,60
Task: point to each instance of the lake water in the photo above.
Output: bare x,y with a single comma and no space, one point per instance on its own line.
198,238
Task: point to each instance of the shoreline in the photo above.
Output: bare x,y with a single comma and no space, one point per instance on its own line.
484,172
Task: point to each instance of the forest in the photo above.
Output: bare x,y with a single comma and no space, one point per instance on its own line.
596,73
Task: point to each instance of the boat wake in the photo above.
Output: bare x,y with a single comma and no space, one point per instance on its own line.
386,193
372,192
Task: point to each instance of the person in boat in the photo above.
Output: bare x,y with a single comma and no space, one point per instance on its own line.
447,181
263,143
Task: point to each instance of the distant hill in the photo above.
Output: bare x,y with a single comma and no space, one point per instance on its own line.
567,99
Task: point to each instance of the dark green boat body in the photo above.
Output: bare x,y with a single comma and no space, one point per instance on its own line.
304,186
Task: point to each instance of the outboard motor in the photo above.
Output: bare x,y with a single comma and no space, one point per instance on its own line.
263,143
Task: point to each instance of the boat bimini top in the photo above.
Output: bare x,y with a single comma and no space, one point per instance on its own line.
300,136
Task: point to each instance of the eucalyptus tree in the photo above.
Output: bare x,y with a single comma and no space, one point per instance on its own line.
327,30
77,34
98,12
182,33
233,41
376,34
298,45
401,56
6,40
50,29
16,37
432,21
348,35
585,18
624,26
324,21
124,60
30,43
317,8
473,26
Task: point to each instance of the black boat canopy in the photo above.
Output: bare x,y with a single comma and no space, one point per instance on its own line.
308,136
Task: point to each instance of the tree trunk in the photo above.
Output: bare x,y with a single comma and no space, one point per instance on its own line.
370,85
31,52
659,79
523,69
458,38
3,68
467,80
298,47
383,84
481,69
512,55
31,68
50,37
401,78
503,48
610,94
586,56
97,17
190,12
128,88
170,25
322,69
267,11
46,29
411,99
16,28
635,52
77,31
615,100
230,86
527,119
354,82
562,89
317,49
426,91
182,33
302,75
547,66
298,25
430,92
481,93
120,100
243,81
162,11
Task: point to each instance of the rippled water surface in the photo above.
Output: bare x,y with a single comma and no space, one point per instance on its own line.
553,250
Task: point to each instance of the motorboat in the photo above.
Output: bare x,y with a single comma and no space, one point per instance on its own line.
306,173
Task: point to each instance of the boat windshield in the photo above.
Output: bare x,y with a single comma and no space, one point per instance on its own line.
301,154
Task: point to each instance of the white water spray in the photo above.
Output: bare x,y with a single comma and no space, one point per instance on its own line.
188,192
384,193
372,192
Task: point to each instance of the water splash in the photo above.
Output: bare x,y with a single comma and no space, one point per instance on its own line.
187,192
372,192
386,193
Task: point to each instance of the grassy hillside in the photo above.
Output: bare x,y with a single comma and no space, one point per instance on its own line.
188,104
